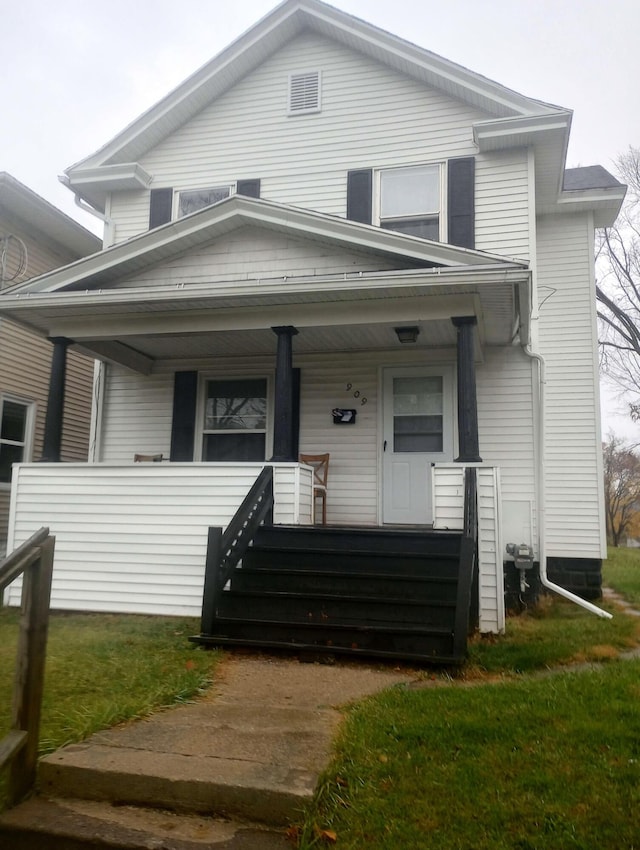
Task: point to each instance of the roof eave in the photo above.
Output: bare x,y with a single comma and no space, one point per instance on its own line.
274,30
25,204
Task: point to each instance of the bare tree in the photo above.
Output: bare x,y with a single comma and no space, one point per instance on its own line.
618,286
621,488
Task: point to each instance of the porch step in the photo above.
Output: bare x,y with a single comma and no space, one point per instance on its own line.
388,593
325,581
412,643
348,610
358,539
72,824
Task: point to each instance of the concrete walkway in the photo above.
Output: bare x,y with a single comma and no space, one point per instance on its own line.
248,754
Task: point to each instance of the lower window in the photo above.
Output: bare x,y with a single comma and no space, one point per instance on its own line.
16,423
235,420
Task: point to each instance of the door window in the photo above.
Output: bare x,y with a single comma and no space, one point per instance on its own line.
418,414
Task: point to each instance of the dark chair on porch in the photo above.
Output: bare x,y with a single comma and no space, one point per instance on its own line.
320,464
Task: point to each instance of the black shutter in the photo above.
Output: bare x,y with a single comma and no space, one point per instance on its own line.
248,188
183,425
461,202
160,206
359,195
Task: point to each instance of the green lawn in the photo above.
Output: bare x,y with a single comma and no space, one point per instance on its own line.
535,764
504,753
622,572
102,669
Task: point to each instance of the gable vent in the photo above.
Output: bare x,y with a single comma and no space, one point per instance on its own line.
304,92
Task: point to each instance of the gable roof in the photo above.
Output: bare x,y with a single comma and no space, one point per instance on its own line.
284,23
172,239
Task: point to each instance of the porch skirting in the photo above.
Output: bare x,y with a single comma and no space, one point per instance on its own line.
132,538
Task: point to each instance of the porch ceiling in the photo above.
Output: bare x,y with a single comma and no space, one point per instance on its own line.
262,342
134,327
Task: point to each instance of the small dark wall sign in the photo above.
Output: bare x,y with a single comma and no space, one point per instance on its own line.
343,416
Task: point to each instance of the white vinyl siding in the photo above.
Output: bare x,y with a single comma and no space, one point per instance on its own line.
505,419
448,502
133,538
568,341
254,253
502,203
371,117
138,410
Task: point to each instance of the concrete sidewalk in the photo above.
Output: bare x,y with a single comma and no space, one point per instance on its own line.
249,752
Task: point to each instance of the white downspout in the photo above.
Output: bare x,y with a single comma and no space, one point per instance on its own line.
541,476
109,226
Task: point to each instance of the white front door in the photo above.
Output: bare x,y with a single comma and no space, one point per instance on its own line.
418,431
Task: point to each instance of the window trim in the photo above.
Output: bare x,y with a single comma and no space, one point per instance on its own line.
308,110
232,187
200,430
442,187
29,428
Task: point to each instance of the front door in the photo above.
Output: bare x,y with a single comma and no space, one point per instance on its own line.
418,431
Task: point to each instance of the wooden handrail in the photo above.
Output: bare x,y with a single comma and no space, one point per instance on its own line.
19,747
468,563
224,551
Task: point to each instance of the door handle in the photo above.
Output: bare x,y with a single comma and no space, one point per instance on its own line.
384,446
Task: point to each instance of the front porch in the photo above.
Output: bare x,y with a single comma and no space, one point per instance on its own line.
132,538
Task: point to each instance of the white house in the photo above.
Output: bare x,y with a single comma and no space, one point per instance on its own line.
276,229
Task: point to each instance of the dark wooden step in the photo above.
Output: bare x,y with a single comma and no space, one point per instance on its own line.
330,609
410,643
351,560
346,539
377,584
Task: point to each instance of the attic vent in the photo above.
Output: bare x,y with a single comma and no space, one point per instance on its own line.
304,92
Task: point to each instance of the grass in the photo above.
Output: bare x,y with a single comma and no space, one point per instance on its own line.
536,764
104,669
503,754
492,759
621,571
556,633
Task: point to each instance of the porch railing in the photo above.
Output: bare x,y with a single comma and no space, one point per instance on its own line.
225,551
466,605
19,748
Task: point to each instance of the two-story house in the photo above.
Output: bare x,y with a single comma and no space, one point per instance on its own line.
328,240
34,238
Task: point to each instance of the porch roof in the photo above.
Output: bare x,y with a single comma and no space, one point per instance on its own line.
136,325
106,267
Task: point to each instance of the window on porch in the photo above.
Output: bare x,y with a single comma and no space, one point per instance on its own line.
235,420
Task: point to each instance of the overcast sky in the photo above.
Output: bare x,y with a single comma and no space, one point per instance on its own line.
76,72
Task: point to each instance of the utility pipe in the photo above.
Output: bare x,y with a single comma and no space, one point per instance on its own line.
541,475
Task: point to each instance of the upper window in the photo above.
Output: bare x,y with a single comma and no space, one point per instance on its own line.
198,199
411,200
16,422
235,419
304,92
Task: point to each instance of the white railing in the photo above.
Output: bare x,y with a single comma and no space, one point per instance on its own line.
448,513
133,538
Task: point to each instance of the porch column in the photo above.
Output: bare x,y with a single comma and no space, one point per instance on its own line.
283,448
467,401
55,403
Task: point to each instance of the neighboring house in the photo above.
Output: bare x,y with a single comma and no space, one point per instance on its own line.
326,218
34,238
